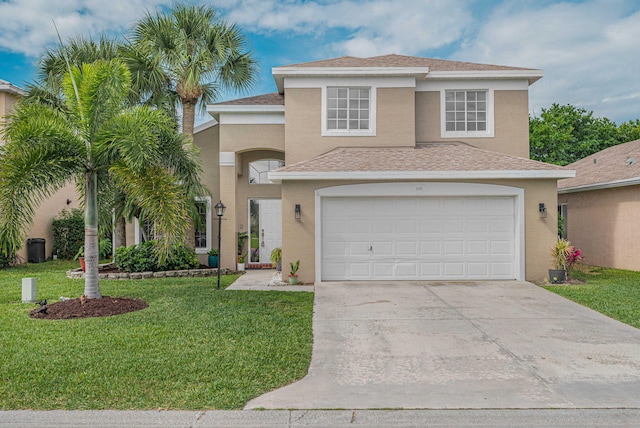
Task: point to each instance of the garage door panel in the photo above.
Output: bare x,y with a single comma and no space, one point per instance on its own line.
383,270
407,226
359,248
453,248
501,248
477,270
453,270
382,226
431,226
382,248
405,248
418,238
477,247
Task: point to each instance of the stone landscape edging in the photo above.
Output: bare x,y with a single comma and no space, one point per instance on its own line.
78,273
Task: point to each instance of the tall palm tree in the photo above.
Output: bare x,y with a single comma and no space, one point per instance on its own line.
194,53
93,134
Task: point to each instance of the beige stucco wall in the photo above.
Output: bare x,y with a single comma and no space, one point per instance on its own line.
604,225
45,213
7,100
511,115
298,236
395,124
207,142
240,138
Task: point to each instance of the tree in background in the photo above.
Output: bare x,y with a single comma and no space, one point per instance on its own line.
564,134
193,53
93,132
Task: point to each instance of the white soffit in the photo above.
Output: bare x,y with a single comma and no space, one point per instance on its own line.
247,114
11,88
530,75
599,186
279,73
422,175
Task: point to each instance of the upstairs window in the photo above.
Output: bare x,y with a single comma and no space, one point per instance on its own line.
467,113
466,110
348,109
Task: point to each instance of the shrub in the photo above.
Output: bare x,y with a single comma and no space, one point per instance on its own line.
6,261
68,233
144,258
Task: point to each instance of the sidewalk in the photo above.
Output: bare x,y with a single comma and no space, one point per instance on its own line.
259,279
323,418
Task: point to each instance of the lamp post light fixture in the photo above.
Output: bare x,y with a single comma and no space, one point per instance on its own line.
297,212
219,207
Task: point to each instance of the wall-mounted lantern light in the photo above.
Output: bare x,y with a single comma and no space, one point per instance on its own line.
542,209
298,213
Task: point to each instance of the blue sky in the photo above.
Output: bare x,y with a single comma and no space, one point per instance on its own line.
589,50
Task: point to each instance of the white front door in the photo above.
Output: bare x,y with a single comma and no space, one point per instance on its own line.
266,228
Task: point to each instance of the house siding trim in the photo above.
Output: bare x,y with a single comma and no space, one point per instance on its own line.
421,175
599,186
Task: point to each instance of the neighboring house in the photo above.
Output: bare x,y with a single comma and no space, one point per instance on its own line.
390,167
65,198
601,206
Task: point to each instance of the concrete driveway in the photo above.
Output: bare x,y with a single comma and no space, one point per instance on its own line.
459,345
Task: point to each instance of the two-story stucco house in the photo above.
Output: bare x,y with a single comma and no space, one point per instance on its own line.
390,167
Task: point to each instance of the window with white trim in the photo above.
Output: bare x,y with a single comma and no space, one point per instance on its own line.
466,110
467,113
348,109
202,230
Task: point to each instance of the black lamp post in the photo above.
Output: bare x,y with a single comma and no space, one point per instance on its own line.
219,212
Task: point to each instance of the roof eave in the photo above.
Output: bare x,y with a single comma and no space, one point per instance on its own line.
278,177
532,75
215,110
599,186
279,73
12,89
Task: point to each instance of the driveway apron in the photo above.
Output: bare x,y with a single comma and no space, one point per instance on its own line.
461,345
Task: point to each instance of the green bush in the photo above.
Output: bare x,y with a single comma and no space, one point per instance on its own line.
6,261
68,233
144,258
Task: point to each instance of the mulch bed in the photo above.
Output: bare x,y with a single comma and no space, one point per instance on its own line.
111,268
87,308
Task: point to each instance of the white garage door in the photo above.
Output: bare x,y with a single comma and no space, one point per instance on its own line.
428,238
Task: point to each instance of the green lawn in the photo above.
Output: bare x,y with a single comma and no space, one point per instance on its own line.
193,348
615,293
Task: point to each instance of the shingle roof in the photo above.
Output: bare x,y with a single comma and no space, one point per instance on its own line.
620,162
448,156
394,60
272,99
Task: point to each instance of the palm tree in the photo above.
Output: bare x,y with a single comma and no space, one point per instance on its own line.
94,137
194,53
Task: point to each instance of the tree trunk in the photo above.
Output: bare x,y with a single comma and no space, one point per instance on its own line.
91,281
188,118
119,233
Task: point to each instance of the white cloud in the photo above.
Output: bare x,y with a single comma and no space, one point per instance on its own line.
588,50
27,25
373,26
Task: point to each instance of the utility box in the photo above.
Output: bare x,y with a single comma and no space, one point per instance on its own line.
35,250
28,290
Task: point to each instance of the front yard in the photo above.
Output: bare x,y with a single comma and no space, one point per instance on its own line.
615,293
193,348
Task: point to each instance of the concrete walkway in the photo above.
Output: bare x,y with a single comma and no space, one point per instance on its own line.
429,345
259,279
